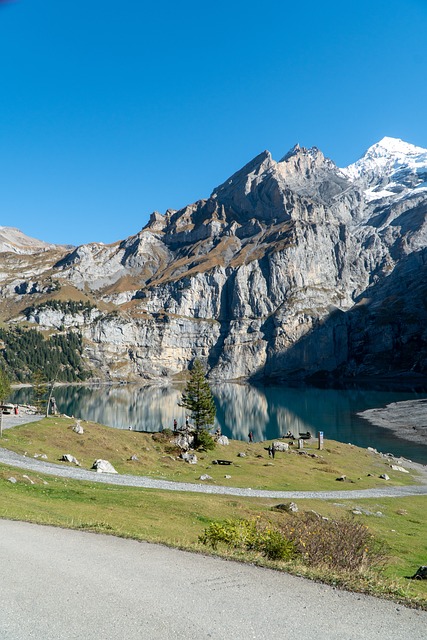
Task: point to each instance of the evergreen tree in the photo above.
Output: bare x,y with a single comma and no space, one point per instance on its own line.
197,397
40,391
4,393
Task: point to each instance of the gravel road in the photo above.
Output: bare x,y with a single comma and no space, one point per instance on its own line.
57,583
48,468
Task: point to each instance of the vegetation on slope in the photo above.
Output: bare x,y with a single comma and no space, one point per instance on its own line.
59,356
158,458
72,307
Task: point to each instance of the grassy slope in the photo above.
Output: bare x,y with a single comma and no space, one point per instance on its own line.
178,518
288,471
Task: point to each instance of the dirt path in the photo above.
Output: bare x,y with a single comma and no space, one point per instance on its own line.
38,466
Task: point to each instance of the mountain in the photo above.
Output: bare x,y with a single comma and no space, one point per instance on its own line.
15,241
289,269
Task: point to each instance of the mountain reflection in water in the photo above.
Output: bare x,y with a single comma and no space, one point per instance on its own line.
269,412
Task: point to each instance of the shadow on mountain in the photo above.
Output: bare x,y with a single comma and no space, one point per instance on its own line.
384,334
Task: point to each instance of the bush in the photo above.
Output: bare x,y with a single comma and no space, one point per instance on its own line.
204,440
339,545
344,544
275,546
249,535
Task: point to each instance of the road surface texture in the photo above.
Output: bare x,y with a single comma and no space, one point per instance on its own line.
57,583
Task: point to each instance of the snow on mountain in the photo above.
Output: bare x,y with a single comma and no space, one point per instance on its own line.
391,168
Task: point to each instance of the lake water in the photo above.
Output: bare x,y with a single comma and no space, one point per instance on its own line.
268,411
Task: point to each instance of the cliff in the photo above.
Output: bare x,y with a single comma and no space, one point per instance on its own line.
289,269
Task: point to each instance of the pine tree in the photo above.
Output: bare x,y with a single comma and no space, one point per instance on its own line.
40,391
4,392
197,397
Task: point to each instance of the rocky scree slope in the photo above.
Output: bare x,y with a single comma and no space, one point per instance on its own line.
289,269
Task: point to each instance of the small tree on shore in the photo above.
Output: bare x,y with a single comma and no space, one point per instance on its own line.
4,393
197,397
40,391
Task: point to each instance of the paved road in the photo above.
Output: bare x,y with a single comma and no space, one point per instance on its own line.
57,583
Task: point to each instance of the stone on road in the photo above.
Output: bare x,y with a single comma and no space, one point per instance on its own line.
58,583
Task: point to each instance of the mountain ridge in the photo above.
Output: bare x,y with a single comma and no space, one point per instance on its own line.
259,279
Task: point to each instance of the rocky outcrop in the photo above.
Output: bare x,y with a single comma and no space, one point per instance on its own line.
289,269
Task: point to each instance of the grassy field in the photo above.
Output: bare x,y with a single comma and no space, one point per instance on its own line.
178,518
158,458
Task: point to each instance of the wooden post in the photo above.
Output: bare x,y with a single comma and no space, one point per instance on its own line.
300,443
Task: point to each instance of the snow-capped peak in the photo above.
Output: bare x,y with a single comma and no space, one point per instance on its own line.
391,168
394,147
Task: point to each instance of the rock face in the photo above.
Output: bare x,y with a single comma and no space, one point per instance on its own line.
289,269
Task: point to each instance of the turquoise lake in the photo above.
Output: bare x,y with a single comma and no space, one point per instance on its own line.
268,411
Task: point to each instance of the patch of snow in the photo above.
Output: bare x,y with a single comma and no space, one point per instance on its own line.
391,168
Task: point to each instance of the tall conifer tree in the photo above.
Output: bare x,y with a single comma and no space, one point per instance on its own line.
197,397
4,392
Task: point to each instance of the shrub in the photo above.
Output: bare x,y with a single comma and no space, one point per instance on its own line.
203,440
340,545
344,544
249,535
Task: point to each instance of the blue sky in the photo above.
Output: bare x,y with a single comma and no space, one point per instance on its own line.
110,110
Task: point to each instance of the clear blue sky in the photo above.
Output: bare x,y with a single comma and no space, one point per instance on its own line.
110,110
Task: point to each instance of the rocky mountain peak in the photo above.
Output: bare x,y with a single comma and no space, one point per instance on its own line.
393,147
244,178
289,269
390,169
13,240
304,161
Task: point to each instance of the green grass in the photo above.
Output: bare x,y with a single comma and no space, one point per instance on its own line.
159,458
177,518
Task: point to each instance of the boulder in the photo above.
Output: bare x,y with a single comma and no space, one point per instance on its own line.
78,428
222,440
384,476
103,466
342,478
183,441
289,507
396,467
12,480
67,457
242,454
205,476
280,446
191,458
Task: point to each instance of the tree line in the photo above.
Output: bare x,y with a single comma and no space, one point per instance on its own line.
72,307
26,351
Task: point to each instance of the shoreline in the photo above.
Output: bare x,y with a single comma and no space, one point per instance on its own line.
407,419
